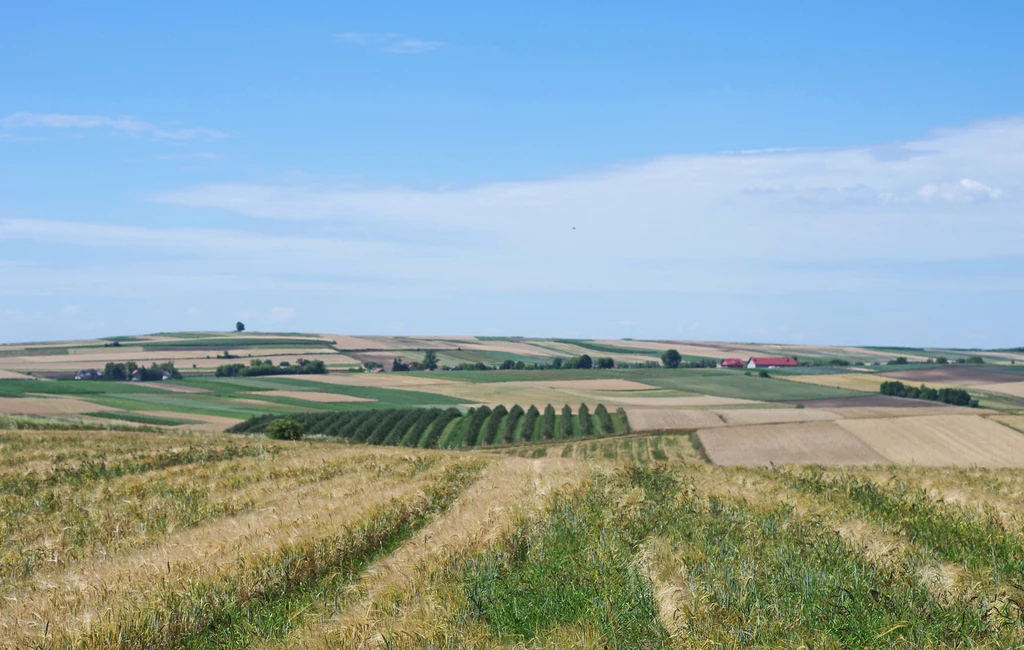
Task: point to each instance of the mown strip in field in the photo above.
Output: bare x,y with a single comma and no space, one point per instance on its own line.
264,597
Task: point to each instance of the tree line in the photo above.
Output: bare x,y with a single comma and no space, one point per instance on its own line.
131,370
424,427
260,368
954,396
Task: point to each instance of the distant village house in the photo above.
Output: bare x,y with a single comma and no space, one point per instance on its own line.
772,362
732,363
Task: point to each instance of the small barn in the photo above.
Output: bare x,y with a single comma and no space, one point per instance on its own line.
772,362
732,363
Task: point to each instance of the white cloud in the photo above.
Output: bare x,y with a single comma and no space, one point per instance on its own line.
389,43
966,191
69,309
194,311
853,203
122,124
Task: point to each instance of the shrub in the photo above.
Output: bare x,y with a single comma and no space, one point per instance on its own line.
763,374
566,430
586,424
604,419
530,423
494,423
511,421
547,423
285,429
476,422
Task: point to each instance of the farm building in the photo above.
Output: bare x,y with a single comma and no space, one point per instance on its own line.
732,363
772,362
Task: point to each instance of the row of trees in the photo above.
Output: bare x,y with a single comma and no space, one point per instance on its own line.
424,427
262,368
954,396
131,370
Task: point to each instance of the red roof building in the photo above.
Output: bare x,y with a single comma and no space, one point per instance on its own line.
772,362
732,363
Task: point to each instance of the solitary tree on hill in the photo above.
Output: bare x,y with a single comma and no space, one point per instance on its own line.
429,360
240,326
671,358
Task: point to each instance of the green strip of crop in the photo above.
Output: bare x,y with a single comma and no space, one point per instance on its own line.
975,540
767,578
267,598
574,569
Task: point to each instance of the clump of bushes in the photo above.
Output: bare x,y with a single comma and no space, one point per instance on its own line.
284,429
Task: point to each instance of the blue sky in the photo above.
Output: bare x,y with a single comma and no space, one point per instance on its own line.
784,171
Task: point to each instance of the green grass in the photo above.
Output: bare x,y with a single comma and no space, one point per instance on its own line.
71,387
576,568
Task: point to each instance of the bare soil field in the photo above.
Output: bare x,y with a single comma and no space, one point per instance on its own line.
311,396
48,406
206,422
952,376
852,381
867,401
644,419
941,441
9,374
806,443
776,416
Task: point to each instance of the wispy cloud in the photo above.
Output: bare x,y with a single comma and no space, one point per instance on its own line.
939,197
122,124
389,43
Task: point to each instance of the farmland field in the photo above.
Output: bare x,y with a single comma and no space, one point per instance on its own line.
113,539
477,507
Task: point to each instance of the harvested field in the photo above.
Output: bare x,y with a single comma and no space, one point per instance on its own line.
48,406
310,396
206,422
8,374
776,416
587,384
861,412
866,382
806,443
644,419
379,379
696,400
1012,421
1009,388
941,441
952,376
871,401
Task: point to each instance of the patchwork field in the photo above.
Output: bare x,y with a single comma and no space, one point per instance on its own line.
121,539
